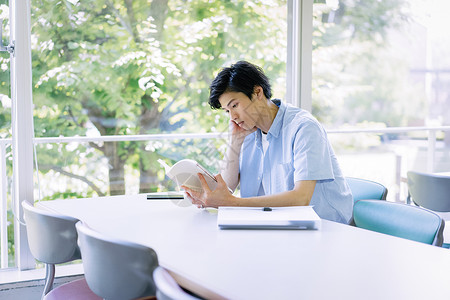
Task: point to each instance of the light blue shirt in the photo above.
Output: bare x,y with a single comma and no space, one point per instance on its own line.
298,150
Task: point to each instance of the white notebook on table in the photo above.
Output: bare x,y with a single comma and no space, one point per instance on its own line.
290,217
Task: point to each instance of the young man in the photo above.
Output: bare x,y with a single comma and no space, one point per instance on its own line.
279,154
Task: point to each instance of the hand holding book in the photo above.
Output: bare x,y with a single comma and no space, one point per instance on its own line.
220,196
196,180
185,171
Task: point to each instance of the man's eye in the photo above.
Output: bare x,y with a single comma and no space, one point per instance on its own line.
227,111
235,105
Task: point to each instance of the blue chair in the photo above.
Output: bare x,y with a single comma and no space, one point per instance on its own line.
168,288
52,239
401,220
366,189
116,269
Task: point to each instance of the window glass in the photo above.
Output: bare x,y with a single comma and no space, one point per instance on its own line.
139,67
382,64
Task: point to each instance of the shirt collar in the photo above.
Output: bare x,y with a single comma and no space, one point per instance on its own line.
275,128
258,138
277,123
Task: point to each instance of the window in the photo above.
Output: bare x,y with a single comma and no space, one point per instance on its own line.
108,75
112,68
381,64
380,61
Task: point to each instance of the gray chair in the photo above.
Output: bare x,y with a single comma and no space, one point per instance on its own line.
52,239
168,288
401,220
428,190
116,269
366,189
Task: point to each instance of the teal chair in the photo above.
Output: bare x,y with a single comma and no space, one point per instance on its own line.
401,220
366,189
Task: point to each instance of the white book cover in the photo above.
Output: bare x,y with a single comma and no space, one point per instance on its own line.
289,217
185,171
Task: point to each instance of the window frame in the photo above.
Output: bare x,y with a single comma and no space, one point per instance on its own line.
22,126
299,53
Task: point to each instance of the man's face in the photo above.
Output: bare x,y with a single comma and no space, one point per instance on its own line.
241,109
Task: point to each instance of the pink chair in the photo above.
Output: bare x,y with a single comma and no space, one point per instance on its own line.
74,290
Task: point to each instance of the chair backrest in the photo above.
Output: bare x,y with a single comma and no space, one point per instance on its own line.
431,191
116,269
52,238
401,220
366,189
168,288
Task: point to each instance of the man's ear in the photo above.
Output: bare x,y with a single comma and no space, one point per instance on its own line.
258,91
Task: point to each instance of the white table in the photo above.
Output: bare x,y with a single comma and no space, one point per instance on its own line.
337,262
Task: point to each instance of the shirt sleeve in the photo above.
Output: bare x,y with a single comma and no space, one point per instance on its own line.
312,155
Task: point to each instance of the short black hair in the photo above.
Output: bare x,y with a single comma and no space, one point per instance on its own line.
239,77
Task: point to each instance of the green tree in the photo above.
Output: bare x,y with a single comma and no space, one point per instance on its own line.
134,67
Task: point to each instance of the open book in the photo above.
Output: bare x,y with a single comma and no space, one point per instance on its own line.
185,171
